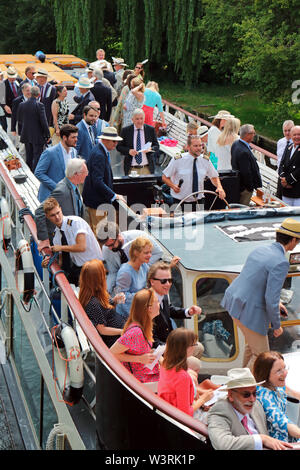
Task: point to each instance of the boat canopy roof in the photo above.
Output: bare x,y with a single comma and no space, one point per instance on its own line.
218,241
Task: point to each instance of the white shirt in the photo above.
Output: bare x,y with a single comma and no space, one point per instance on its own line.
281,144
72,225
212,137
144,157
72,153
252,427
182,168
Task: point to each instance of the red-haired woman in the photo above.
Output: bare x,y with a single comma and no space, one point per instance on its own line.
97,303
134,348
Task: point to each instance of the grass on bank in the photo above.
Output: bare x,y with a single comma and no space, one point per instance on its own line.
205,100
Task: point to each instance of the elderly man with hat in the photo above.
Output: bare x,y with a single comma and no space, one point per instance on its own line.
253,298
84,85
12,87
98,186
119,66
238,422
48,92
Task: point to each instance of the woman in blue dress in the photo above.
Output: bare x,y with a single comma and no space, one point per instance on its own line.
132,276
270,366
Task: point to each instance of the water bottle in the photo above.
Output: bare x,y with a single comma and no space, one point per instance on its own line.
267,194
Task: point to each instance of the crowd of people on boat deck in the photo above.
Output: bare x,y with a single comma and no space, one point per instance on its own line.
122,276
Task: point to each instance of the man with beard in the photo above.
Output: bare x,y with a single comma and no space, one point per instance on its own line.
239,421
86,137
115,248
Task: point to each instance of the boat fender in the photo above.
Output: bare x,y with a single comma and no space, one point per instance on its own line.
24,271
5,228
68,363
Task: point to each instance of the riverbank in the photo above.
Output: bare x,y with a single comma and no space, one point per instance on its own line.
206,100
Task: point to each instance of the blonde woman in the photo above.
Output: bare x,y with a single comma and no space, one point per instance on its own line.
225,141
135,99
152,99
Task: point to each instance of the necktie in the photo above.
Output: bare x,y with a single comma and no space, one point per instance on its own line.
245,424
66,261
195,177
123,256
79,202
138,157
42,92
92,135
14,89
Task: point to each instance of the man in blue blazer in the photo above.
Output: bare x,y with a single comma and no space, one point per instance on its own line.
52,163
253,298
98,186
86,137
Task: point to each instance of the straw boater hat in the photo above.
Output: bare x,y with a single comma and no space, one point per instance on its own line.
11,72
202,131
110,133
240,378
290,227
84,82
41,73
222,115
119,61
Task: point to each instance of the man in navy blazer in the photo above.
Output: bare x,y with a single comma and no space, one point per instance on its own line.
289,170
12,87
243,160
35,129
98,186
52,163
128,147
253,298
25,95
48,93
86,137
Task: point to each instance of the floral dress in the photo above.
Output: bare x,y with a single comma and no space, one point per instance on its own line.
274,403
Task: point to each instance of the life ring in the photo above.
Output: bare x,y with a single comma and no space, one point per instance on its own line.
24,271
68,363
5,228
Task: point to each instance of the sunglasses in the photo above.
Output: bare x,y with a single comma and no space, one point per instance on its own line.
163,281
138,68
246,394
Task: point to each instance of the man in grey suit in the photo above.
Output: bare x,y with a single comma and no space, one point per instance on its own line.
68,198
115,249
253,298
238,422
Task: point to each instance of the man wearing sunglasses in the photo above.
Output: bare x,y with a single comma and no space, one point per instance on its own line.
239,421
160,279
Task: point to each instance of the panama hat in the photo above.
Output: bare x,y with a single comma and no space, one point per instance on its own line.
290,227
11,72
119,61
110,133
84,82
222,115
239,378
202,131
41,73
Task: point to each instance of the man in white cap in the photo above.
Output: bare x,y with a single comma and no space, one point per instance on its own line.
48,92
238,422
84,85
253,298
98,186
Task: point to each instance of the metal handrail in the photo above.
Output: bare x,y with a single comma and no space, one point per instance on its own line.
93,336
209,124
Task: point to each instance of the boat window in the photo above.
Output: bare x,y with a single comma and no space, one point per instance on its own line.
289,341
215,327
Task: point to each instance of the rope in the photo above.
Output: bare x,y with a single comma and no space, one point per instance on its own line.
57,429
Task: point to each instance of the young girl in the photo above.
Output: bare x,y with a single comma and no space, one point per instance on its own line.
175,384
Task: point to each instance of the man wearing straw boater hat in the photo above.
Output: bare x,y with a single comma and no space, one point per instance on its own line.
48,92
253,298
238,422
98,186
84,85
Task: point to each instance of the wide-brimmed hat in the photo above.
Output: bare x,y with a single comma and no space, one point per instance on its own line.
11,72
110,133
222,115
290,227
119,61
202,131
41,73
84,82
240,378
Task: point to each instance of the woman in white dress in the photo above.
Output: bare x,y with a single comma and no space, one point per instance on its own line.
214,132
225,141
